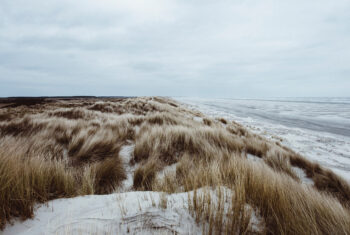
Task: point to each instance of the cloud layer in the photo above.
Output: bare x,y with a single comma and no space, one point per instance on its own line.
241,48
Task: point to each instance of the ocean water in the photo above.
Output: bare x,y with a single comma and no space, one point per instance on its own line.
318,128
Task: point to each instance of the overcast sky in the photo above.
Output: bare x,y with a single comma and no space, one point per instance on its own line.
204,48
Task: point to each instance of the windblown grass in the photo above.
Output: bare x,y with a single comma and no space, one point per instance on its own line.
56,148
286,206
26,181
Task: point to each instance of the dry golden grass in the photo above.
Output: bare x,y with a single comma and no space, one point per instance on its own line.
145,174
222,211
278,162
169,142
25,181
57,148
286,206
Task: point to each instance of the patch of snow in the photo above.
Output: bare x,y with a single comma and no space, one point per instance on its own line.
65,157
198,119
136,129
119,213
256,222
167,170
302,176
254,158
126,153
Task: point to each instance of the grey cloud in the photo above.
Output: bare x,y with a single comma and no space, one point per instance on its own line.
192,48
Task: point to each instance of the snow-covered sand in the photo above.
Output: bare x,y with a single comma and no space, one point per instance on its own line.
126,153
119,213
318,128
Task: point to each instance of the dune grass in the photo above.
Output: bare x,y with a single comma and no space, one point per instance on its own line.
65,148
